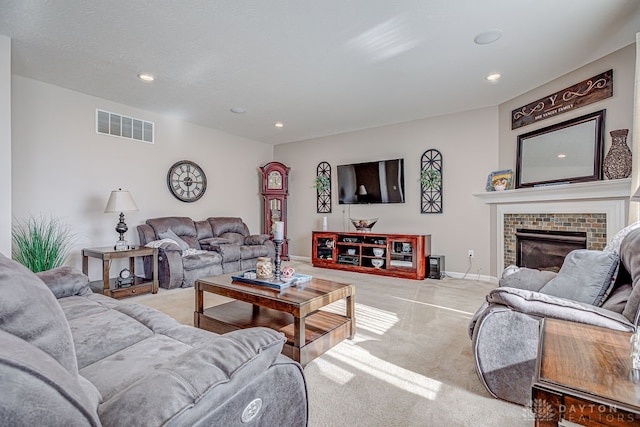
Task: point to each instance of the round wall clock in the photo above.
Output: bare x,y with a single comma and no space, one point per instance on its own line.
186,181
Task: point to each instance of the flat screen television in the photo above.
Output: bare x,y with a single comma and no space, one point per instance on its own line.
371,182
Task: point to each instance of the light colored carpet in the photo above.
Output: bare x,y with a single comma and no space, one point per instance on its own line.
410,363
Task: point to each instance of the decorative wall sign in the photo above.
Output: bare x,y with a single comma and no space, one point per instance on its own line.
584,93
323,187
431,182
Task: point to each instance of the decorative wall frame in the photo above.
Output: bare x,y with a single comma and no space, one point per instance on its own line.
563,153
323,187
431,182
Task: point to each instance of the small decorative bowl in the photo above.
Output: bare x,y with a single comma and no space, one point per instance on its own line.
377,263
351,251
363,224
378,252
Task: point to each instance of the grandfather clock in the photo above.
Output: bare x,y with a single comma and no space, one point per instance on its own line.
275,189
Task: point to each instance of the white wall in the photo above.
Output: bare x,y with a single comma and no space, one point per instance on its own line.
62,167
619,108
5,145
468,143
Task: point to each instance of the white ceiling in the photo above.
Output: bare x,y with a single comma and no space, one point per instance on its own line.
319,66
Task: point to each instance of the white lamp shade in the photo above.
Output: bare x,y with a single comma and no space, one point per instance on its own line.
120,201
362,191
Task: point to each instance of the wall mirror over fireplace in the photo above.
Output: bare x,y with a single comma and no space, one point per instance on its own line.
566,152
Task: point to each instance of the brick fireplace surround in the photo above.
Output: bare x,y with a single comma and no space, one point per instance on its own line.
594,224
599,208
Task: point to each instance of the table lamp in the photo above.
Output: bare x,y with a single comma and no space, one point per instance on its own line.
121,201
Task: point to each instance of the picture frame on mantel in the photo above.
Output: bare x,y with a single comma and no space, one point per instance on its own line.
563,153
500,180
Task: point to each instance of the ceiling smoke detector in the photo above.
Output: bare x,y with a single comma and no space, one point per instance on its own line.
488,37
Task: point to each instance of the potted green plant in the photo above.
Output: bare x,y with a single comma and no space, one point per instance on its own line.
40,243
430,179
322,184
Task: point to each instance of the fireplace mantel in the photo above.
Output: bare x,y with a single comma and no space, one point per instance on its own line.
606,189
610,197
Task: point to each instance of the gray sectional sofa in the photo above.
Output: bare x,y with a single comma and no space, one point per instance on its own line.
601,289
69,357
190,250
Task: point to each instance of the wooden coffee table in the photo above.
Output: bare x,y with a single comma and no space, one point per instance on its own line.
294,311
584,375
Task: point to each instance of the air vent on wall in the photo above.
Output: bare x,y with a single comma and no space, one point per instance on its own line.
123,126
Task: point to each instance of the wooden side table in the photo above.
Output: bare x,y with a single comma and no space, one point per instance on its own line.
107,286
584,375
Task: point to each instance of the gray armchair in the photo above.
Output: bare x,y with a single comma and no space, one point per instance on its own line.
504,331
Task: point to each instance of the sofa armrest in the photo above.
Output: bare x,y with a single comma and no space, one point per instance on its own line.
66,281
543,305
256,239
207,376
170,268
37,390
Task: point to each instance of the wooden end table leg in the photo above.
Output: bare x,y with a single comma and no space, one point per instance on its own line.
351,311
106,290
299,332
85,264
155,286
199,304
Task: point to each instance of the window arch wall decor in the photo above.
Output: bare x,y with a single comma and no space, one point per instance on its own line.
323,187
431,182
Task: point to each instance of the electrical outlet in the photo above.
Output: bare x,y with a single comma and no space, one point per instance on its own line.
470,253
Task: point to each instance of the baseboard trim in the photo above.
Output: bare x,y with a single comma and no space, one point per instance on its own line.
452,274
476,277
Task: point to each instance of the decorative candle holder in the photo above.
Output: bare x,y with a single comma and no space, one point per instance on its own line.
277,274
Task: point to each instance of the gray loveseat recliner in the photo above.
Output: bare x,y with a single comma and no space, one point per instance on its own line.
505,329
89,360
190,250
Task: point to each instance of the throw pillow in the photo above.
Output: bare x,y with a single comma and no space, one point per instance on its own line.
527,278
585,276
166,244
169,234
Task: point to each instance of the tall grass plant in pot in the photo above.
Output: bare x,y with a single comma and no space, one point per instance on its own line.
41,242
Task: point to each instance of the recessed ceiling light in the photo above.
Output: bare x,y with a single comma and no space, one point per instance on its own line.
562,156
238,110
488,37
493,77
279,124
145,77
